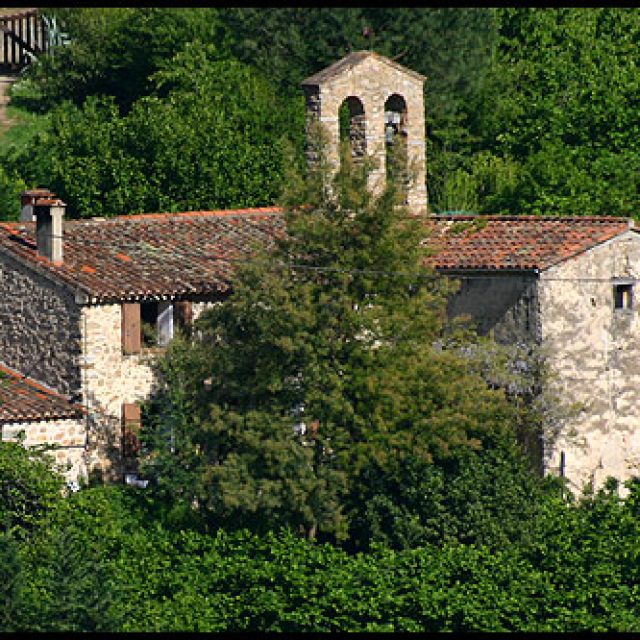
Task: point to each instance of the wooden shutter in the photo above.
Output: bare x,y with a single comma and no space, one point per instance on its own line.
131,421
183,315
131,327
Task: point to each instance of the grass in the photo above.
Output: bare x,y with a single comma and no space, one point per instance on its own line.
27,120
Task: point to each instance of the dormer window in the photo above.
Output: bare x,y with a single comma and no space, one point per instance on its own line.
623,295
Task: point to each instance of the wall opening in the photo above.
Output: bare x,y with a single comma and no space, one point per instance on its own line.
352,125
395,132
623,296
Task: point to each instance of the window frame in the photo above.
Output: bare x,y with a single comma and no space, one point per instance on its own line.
623,294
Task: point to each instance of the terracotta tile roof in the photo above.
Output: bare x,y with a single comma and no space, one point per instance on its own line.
137,256
514,242
23,399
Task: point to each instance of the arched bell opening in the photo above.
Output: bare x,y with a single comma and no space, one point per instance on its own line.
395,133
353,127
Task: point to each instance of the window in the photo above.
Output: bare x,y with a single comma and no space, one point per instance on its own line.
151,323
156,323
623,296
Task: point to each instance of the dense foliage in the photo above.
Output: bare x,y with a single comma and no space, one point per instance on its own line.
527,110
104,561
329,358
214,138
29,486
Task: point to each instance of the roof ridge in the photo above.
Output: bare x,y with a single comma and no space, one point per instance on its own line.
516,218
351,60
10,225
186,214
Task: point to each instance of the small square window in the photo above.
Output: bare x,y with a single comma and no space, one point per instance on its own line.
623,296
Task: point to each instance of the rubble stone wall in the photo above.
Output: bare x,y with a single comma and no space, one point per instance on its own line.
39,327
110,379
67,434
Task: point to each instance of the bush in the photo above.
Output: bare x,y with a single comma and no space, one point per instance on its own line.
30,486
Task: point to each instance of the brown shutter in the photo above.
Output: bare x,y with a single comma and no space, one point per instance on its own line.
184,315
131,421
131,327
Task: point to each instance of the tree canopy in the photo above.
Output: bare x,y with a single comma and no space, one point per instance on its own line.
330,355
528,111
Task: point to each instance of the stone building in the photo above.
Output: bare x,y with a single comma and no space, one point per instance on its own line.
86,305
568,286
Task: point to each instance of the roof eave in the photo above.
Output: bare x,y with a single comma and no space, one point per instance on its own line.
484,271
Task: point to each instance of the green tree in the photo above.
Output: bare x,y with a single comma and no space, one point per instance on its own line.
560,103
29,486
11,582
210,138
487,497
114,51
334,331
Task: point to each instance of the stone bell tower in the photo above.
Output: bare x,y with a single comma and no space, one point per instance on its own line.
384,105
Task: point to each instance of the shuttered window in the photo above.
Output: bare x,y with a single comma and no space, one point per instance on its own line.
130,327
152,323
131,422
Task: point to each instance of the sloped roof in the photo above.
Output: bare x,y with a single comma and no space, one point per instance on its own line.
23,399
514,242
352,60
150,255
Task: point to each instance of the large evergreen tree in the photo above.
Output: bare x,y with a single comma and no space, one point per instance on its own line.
330,355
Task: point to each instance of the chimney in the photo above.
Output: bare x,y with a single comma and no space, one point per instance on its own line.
49,213
28,200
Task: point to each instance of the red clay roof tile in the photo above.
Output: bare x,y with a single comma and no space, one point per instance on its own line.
156,254
194,253
23,399
514,242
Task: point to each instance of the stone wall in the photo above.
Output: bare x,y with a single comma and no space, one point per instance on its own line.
373,81
109,379
506,305
594,353
67,434
39,327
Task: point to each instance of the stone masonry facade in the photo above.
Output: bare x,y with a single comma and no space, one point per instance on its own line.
109,379
77,351
593,352
590,349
